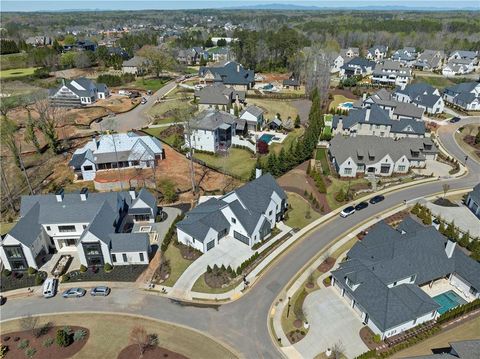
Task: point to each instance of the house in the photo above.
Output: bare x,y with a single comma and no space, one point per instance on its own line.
220,54
81,45
387,274
213,130
87,225
430,60
377,53
473,200
375,121
383,156
122,150
228,40
406,56
275,124
192,55
218,95
391,73
357,66
343,57
231,74
78,92
254,117
464,55
247,214
465,95
39,40
118,51
137,65
292,81
458,67
421,95
465,349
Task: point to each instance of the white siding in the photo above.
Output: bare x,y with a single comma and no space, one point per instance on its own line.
132,258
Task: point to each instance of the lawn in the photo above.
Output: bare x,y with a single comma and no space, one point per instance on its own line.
109,334
178,264
239,162
17,73
291,138
468,330
202,287
440,81
6,227
338,184
13,61
284,107
155,131
338,99
164,110
298,214
152,84
321,155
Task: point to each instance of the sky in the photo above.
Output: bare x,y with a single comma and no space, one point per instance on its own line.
41,5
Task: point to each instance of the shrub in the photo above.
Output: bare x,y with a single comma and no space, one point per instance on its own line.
7,272
31,271
63,338
107,267
80,334
38,279
83,268
30,352
209,269
47,342
16,339
3,351
65,278
377,338
6,338
23,344
328,281
340,196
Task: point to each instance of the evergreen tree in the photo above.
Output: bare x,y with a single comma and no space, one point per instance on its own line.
282,165
465,240
297,121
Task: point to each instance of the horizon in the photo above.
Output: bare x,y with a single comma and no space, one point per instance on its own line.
115,5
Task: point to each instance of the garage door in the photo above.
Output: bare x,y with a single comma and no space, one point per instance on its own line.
210,245
358,310
241,238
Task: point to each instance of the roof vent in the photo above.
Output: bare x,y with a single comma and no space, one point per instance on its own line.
59,195
84,193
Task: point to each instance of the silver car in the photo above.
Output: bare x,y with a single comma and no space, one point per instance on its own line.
74,293
100,291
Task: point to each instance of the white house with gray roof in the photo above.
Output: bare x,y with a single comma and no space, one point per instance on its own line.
421,95
254,117
218,96
405,56
460,66
352,156
465,95
78,92
231,74
89,225
391,73
122,150
430,60
358,66
377,53
247,214
137,66
473,200
384,276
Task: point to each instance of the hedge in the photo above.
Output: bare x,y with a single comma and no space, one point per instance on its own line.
171,232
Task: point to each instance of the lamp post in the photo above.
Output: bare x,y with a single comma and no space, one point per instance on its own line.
288,307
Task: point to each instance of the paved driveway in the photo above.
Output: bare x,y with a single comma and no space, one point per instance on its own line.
332,322
462,216
228,252
437,168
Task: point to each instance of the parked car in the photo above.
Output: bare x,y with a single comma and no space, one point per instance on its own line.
454,119
377,199
144,101
149,92
361,206
74,293
50,287
101,291
347,211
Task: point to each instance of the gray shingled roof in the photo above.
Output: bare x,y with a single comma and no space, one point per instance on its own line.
146,197
129,242
358,62
77,160
218,94
475,194
211,119
232,73
465,349
254,110
409,110
135,61
420,93
27,228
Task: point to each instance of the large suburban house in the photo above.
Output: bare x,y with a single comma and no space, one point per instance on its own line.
218,96
473,200
405,56
465,55
430,60
391,73
383,156
78,92
88,225
465,349
137,65
375,121
422,95
465,95
213,131
387,274
377,53
396,110
254,117
231,74
122,150
358,66
247,214
192,56
343,57
458,67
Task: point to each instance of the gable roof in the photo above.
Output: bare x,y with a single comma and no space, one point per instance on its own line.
475,194
129,242
211,119
252,109
231,73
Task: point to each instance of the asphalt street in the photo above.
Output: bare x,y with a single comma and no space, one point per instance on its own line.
243,324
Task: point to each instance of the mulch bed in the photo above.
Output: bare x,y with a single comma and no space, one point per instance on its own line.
132,352
367,336
53,351
444,202
18,280
296,335
217,278
326,265
188,252
298,323
118,274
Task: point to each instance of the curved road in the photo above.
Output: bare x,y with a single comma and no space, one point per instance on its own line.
243,323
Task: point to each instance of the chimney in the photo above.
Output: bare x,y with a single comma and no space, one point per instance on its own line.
132,192
238,67
364,96
84,193
63,82
95,142
258,172
449,248
59,195
367,115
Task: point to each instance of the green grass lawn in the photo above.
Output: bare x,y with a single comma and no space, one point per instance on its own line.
170,104
178,264
321,155
239,162
13,61
202,287
335,187
272,107
338,99
17,73
440,82
155,131
297,215
150,84
287,142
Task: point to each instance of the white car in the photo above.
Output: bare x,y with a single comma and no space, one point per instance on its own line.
347,211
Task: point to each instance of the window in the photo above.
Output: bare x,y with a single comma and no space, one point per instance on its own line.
141,256
234,220
135,163
401,168
114,258
270,213
84,226
88,168
64,229
394,284
124,257
48,228
348,171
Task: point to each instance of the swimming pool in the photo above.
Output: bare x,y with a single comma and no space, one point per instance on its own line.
346,105
266,138
448,300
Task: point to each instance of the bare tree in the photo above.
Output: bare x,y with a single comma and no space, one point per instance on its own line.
143,340
82,61
29,323
338,350
158,59
446,188
317,71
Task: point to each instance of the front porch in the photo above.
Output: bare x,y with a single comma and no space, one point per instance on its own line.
49,266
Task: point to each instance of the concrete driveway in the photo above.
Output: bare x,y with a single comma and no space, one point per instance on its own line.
462,216
332,322
229,252
436,167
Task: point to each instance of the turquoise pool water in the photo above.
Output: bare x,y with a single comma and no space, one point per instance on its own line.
346,105
448,300
266,138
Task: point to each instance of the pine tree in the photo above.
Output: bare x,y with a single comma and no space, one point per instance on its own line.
465,240
282,165
297,121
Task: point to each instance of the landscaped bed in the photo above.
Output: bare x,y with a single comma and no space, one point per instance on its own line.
131,352
16,280
128,273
